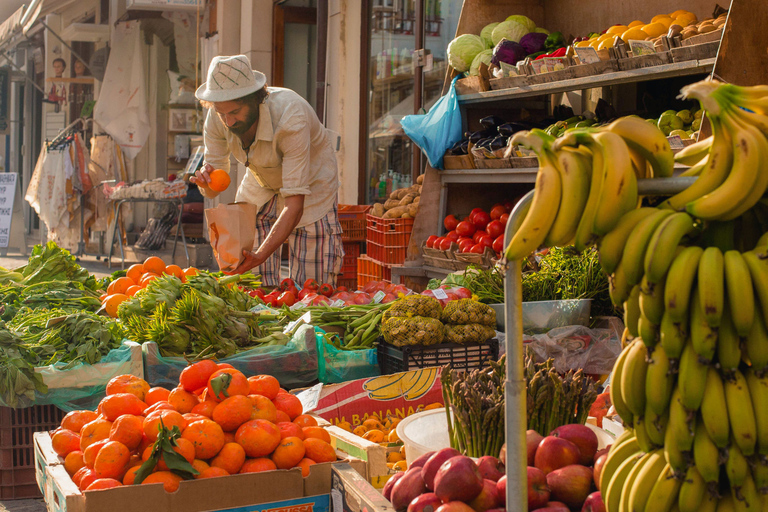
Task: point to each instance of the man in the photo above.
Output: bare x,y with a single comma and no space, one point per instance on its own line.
292,176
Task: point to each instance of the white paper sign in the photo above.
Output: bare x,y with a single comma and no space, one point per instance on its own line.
440,294
303,319
309,398
587,55
7,195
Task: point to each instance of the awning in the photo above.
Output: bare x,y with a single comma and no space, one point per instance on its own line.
41,8
12,25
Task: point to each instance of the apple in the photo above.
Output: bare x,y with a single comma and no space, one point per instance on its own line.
583,437
601,451
554,506
427,502
594,503
487,499
532,441
570,484
455,506
490,468
555,453
409,487
421,460
538,492
458,479
501,489
387,491
433,464
597,469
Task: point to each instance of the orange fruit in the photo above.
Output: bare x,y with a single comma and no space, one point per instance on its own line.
282,417
230,458
87,479
289,404
103,483
128,429
128,384
305,420
229,437
265,385
190,271
200,466
263,408
183,447
97,430
169,418
183,401
112,302
222,366
102,297
206,436
212,473
205,408
113,406
220,180
233,412
374,436
288,453
148,278
112,460
155,265
259,438
130,475
76,420
135,272
175,270
196,375
89,454
121,284
79,474
317,433
169,480
258,465
304,465
155,395
288,429
145,441
319,451
131,291
229,382
162,405
190,417
74,461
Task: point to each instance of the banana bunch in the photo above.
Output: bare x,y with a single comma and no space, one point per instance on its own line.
587,180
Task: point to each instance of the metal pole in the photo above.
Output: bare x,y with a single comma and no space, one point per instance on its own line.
515,385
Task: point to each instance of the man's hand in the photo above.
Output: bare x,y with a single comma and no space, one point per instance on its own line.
202,176
250,261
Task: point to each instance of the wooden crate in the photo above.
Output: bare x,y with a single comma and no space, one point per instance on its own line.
695,52
645,61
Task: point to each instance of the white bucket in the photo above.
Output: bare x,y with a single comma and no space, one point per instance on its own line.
424,432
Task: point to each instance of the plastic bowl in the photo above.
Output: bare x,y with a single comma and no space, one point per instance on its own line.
541,316
424,432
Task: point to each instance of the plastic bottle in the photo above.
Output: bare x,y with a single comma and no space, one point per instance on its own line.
382,186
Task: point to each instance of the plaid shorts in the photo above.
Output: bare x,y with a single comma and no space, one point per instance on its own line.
316,251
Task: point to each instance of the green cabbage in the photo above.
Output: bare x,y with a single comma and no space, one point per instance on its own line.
483,56
463,50
509,30
541,30
525,21
485,34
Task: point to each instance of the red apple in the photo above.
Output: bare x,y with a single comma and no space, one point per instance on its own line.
555,453
501,489
532,441
554,506
538,492
455,506
487,499
433,464
594,503
410,486
583,437
490,467
597,469
427,502
601,451
458,479
421,460
387,491
570,484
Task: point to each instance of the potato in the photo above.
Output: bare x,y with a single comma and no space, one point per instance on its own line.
420,179
416,201
378,210
406,216
391,203
396,212
413,209
407,199
402,192
393,195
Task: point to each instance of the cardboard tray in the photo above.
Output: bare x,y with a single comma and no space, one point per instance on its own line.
696,52
285,490
597,68
508,82
645,61
715,35
458,162
471,84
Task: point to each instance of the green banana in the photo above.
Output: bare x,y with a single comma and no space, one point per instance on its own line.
703,336
728,343
655,426
618,286
711,286
673,336
641,434
629,484
681,424
758,269
632,311
738,284
741,413
675,457
712,407
663,496
635,250
648,331
611,246
680,279
652,300
736,466
756,344
706,456
691,378
633,378
757,383
663,245
659,382
692,491
746,498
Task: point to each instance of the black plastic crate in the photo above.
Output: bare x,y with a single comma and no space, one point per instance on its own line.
460,356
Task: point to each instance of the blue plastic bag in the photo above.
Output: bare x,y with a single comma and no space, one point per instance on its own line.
336,366
438,130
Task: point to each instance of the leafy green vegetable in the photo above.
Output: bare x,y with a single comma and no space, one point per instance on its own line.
52,263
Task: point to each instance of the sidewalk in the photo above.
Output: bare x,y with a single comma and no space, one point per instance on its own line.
23,506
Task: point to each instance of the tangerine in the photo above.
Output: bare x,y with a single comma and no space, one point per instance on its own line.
190,417
288,429
89,455
227,382
212,472
155,265
79,474
220,180
229,437
128,384
190,271
288,404
76,420
121,284
148,278
132,290
65,441
265,385
169,419
200,466
103,483
233,412
112,302
205,408
317,433
206,436
87,479
128,429
169,480
74,462
304,465
230,458
135,272
305,420
196,375
112,460
183,401
183,447
263,408
155,395
319,451
96,430
258,465
113,406
282,417
288,453
130,476
175,270
259,438
162,405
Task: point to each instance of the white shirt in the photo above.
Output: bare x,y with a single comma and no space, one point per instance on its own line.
291,155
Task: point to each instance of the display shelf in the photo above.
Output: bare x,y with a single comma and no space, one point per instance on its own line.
426,271
676,69
522,175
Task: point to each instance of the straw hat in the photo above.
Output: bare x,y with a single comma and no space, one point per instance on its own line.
230,78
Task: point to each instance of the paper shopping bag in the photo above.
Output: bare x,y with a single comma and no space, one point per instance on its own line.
231,228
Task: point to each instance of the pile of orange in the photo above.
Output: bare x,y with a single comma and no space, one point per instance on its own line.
137,277
229,424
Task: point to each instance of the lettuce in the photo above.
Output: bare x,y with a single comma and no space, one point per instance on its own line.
482,57
525,21
509,30
463,50
485,34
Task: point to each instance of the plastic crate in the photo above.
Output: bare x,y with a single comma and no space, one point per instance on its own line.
390,254
352,220
369,269
17,451
468,356
352,251
349,283
388,232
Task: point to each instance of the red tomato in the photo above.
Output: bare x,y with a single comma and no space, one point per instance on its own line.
509,205
497,211
498,244
453,235
341,289
467,219
400,288
320,299
371,286
478,235
311,284
486,241
445,244
325,289
465,228
293,290
431,241
481,219
362,298
304,292
474,211
286,299
466,244
477,249
450,222
286,283
504,218
463,293
271,298
389,298
495,228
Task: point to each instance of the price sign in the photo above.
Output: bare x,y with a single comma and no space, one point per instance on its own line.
7,195
641,47
587,55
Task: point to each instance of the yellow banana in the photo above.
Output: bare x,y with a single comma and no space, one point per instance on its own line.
663,496
675,457
625,505
659,382
615,486
695,153
691,378
648,140
632,311
741,413
633,257
611,246
618,287
649,332
652,300
673,335
728,343
756,344
618,194
758,269
738,284
655,426
726,503
641,434
703,337
706,456
760,474
708,504
680,279
616,389
711,285
616,457
645,480
692,491
574,175
746,498
758,392
712,408
736,466
680,427
694,171
663,245
633,378
639,164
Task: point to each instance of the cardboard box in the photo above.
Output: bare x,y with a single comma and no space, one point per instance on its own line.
351,493
271,491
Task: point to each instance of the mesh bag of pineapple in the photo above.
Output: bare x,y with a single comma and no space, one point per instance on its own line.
414,320
468,321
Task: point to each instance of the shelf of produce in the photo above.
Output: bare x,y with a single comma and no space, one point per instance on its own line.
524,175
426,271
676,69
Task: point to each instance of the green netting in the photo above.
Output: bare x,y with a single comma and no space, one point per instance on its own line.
336,365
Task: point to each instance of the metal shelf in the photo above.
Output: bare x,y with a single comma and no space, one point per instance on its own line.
521,175
675,69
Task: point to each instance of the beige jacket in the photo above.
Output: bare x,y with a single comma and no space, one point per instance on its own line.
291,155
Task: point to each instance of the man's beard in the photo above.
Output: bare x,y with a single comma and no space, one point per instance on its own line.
241,127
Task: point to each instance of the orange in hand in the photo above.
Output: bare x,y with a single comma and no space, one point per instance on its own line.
220,180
